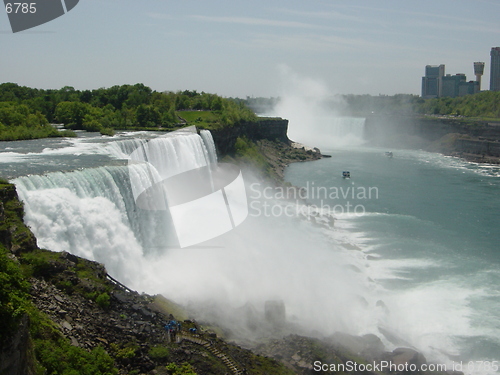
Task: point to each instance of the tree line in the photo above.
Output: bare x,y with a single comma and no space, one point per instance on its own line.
484,104
127,107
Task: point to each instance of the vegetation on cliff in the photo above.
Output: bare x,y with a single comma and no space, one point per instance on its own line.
13,295
51,352
268,158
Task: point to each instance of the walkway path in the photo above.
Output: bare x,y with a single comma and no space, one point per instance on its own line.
212,348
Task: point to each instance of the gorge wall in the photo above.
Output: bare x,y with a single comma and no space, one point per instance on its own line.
265,128
469,137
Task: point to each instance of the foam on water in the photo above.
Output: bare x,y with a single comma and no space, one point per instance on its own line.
436,274
450,162
438,316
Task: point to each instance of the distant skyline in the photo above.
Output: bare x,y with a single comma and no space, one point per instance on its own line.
238,48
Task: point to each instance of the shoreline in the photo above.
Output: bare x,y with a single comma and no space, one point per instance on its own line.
475,158
284,155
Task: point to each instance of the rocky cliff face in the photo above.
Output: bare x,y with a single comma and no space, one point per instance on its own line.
273,129
471,139
16,351
431,129
482,147
14,235
16,356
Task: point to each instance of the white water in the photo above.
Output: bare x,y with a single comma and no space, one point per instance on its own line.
209,143
92,212
436,296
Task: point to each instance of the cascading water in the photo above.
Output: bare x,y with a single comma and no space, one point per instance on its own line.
88,213
92,212
209,143
329,132
344,129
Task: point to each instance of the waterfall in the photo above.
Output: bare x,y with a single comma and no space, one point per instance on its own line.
122,149
328,132
344,127
209,142
93,212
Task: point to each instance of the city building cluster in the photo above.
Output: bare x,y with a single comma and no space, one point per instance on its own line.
437,84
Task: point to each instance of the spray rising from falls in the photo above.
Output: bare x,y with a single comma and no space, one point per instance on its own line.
312,111
93,213
329,132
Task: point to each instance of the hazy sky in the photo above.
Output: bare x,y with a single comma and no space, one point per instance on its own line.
236,48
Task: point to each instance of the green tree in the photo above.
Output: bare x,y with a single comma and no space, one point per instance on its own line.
72,114
147,116
10,115
216,104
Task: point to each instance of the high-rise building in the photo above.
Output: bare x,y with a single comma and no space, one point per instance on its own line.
495,69
468,88
432,82
451,85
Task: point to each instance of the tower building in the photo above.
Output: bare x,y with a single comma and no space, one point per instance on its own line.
479,71
495,69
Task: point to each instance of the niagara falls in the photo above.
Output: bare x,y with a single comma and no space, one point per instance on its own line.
250,188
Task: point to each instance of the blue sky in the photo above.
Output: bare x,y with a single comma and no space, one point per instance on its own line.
236,48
